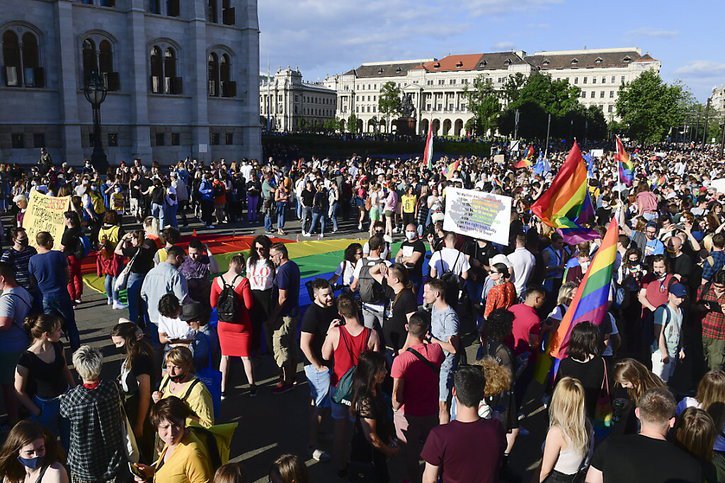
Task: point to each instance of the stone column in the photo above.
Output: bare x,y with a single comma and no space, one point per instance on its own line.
138,82
68,84
195,73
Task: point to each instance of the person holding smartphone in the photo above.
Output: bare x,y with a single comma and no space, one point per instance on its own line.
711,302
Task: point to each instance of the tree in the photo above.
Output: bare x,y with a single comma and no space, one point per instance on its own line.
512,86
649,107
483,102
390,103
352,123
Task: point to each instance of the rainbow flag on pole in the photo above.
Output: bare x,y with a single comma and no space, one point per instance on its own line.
428,152
566,205
527,160
625,164
591,298
450,170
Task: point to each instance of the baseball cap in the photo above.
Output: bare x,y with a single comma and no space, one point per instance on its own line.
678,290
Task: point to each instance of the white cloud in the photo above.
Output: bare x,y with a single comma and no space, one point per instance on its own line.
652,32
702,69
503,45
501,7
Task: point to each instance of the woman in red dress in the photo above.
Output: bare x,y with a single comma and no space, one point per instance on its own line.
235,336
503,293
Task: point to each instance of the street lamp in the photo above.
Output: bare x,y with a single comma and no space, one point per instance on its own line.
95,91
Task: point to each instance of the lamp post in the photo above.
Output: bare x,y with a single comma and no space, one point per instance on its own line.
95,91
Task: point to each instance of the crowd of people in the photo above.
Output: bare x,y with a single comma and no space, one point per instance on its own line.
383,343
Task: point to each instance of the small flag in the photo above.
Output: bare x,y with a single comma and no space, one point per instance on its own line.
526,161
590,164
542,166
428,152
450,170
624,164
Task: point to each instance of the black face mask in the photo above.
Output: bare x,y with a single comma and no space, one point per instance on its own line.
179,378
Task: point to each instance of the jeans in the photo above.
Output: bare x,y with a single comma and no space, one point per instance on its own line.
110,292
298,207
306,215
207,210
333,215
133,294
252,206
171,215
157,211
59,303
267,216
318,216
281,208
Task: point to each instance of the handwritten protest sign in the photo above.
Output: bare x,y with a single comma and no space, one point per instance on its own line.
45,213
481,215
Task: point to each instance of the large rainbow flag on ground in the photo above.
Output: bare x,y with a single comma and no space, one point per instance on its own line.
566,205
624,164
591,298
526,161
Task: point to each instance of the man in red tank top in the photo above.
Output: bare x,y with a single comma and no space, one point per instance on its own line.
346,339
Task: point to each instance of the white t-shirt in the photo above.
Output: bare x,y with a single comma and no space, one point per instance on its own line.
523,264
175,328
449,260
384,254
261,275
345,271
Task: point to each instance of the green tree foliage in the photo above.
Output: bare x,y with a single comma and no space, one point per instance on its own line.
390,103
512,87
483,102
352,123
649,107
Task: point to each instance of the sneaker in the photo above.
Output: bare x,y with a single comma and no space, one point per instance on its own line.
267,232
320,455
282,388
77,301
110,301
320,237
253,390
359,227
119,306
307,234
224,395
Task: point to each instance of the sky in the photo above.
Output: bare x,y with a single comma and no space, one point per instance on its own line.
325,37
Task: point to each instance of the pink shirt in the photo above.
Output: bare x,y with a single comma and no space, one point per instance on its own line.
526,322
420,389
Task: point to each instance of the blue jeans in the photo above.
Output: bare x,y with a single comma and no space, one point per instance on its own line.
333,215
60,304
110,293
298,208
281,208
133,294
267,217
157,211
171,215
318,215
306,215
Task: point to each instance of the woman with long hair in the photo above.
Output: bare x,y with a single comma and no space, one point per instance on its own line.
567,440
260,273
343,276
633,376
503,293
235,336
373,432
584,363
30,454
108,264
281,198
72,247
136,379
695,432
710,396
140,253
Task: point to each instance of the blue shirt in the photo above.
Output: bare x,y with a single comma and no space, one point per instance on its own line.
288,278
49,270
15,304
654,247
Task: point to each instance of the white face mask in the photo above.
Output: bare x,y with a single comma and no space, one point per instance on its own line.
411,235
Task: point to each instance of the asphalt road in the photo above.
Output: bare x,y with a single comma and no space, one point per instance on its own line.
270,425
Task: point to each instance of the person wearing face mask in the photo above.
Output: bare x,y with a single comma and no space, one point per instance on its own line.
653,292
412,255
181,382
136,379
18,255
576,273
31,454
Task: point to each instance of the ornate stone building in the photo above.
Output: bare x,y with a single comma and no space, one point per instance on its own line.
435,87
287,104
182,78
717,99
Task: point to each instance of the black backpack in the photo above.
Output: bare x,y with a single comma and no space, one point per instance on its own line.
228,303
371,292
454,283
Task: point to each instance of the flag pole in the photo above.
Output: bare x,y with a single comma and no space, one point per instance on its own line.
548,128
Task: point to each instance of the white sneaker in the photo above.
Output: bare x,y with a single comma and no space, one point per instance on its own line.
359,227
307,234
320,455
110,301
119,306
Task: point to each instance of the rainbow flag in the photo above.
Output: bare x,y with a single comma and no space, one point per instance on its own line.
526,161
566,205
450,170
625,164
591,299
428,152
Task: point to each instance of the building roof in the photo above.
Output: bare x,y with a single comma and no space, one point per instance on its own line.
384,69
467,62
586,59
646,58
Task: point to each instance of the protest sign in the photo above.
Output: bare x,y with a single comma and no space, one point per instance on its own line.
499,159
477,214
597,153
45,213
718,184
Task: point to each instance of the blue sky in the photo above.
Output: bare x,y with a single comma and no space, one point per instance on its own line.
324,37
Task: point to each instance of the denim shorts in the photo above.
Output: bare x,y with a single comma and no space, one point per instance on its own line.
319,386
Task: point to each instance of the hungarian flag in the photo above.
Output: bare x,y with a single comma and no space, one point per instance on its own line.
428,153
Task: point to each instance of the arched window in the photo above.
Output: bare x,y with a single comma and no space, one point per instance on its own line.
105,57
90,60
157,70
11,59
31,61
213,75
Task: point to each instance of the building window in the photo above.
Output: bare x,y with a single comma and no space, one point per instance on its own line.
611,94
90,60
604,80
584,95
112,139
175,139
172,8
155,6
622,79
39,140
584,80
213,75
21,60
211,11
601,94
228,13
614,79
163,72
593,95
610,109
108,3
576,80
18,140
159,139
101,61
229,138
215,138
594,80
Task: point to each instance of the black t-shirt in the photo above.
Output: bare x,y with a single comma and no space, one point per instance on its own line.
45,380
142,364
395,320
636,459
590,374
418,246
316,321
145,260
71,241
157,195
308,197
134,188
682,265
482,254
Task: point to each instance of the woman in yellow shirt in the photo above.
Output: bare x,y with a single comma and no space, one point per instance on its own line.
184,458
180,381
407,206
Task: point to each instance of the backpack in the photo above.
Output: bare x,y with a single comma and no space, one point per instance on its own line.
453,282
371,291
217,441
228,303
98,207
83,247
343,393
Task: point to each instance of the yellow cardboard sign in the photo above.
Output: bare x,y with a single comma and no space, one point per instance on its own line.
45,213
